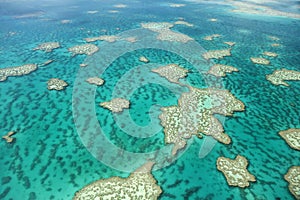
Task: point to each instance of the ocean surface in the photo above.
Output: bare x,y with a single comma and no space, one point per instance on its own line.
51,158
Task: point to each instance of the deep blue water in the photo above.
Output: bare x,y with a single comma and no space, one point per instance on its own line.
48,160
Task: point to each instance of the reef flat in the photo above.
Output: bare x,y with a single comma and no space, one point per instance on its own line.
56,84
88,49
220,70
271,54
260,61
48,46
95,80
235,171
172,72
278,77
138,185
8,137
292,177
165,33
107,38
211,37
116,105
216,54
292,138
17,71
195,114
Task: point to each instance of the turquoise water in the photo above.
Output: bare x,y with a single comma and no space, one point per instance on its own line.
49,160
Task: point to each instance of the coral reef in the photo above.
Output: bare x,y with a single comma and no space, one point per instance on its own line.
273,38
120,6
48,46
292,137
95,80
229,43
47,62
139,185
176,5
278,77
143,59
261,61
172,72
88,49
56,84
65,21
213,20
165,33
181,22
107,38
270,54
131,39
211,37
8,137
220,70
275,45
17,71
195,114
83,65
254,8
116,105
293,177
235,171
217,54
92,11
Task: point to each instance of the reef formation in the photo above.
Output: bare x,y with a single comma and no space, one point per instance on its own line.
138,185
235,171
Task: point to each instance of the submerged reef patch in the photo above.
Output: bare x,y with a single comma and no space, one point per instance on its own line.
144,59
131,39
107,38
213,19
120,6
176,5
235,171
275,45
211,37
254,8
229,43
181,22
270,54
